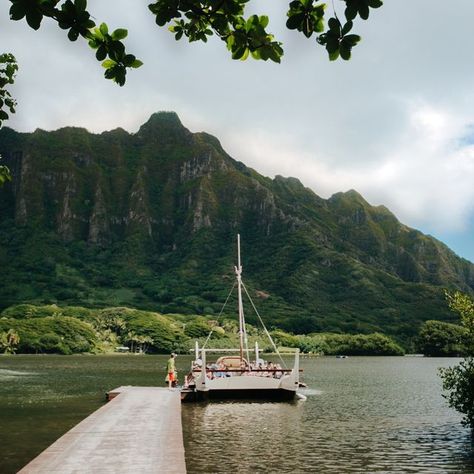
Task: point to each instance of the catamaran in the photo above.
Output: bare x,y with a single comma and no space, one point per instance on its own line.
235,374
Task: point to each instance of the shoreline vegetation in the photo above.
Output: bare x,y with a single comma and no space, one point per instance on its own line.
51,329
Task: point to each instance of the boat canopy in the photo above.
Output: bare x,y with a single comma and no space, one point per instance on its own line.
231,362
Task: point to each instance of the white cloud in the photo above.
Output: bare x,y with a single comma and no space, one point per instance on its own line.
426,178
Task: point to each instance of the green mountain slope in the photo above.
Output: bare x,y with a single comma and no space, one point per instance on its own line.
149,220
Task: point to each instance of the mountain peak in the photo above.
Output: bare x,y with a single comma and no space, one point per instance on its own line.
164,117
349,196
164,127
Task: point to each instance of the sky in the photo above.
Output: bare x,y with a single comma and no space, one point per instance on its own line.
396,122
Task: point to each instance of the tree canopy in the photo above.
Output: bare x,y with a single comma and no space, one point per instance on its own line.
197,20
440,339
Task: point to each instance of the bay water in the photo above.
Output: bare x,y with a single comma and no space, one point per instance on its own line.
361,414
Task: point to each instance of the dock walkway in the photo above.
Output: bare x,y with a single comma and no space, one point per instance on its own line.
138,431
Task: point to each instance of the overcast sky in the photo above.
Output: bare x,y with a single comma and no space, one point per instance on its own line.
396,123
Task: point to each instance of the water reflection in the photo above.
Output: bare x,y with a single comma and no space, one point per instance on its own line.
367,415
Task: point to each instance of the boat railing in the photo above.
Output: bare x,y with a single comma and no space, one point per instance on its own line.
237,351
246,370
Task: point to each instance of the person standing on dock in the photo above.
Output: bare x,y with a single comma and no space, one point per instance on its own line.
171,368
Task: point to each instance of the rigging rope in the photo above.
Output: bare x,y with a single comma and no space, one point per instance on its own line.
263,325
220,314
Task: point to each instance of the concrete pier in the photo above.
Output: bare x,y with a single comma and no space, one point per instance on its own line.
138,431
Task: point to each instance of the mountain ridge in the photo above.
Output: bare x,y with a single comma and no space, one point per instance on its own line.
159,203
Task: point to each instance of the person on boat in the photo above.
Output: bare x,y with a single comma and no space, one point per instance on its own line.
278,375
271,369
220,367
171,370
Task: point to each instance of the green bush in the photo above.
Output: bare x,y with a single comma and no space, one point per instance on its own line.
197,328
458,382
26,311
437,338
163,332
362,344
52,334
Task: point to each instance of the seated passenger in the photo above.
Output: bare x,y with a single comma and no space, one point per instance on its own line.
278,375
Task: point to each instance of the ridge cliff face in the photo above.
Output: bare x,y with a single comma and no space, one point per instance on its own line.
149,220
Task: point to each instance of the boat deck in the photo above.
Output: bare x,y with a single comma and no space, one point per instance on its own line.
139,430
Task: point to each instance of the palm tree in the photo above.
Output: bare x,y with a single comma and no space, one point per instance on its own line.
9,341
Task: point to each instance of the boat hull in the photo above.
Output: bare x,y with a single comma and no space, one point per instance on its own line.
271,395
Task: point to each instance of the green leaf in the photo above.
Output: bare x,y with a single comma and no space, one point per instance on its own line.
334,25
334,55
73,35
101,53
332,44
364,11
104,29
345,51
319,27
34,17
129,59
294,21
98,34
81,4
375,3
230,42
352,40
238,52
350,12
17,11
347,27
137,63
108,63
256,54
119,34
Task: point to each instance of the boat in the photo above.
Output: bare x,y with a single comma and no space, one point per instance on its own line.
240,373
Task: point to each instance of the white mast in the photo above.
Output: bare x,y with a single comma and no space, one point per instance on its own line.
238,272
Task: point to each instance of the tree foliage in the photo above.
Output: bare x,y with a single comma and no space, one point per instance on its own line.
51,334
199,19
9,341
375,344
8,70
196,20
74,17
440,339
464,306
458,381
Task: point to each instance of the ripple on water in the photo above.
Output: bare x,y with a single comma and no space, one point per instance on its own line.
309,392
10,374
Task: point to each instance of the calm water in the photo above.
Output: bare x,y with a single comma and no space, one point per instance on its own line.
361,415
